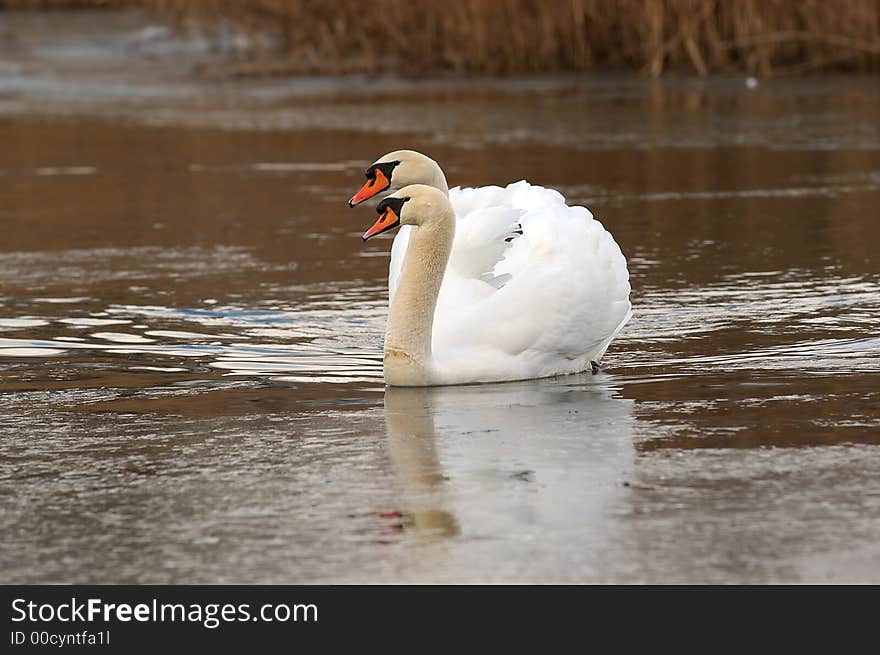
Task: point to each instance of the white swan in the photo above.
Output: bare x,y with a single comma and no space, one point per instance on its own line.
511,284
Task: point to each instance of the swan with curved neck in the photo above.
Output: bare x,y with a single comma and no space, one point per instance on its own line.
491,284
408,359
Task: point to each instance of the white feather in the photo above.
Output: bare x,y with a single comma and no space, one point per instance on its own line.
511,306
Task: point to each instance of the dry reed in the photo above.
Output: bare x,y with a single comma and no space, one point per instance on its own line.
758,37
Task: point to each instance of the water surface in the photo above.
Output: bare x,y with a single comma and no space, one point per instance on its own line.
191,334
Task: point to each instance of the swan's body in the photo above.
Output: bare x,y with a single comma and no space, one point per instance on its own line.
495,284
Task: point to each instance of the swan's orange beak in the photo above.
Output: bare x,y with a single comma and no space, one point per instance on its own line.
388,220
376,184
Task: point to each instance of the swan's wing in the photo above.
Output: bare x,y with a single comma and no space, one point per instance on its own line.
485,225
481,237
565,297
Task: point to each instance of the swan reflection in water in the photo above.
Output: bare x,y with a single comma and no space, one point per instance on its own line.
521,475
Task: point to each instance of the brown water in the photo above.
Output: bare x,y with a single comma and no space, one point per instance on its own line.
191,333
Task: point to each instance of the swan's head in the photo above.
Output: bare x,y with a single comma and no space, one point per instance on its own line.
399,169
416,204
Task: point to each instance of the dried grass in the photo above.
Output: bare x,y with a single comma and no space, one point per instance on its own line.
758,37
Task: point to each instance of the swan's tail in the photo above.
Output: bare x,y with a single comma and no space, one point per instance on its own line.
601,353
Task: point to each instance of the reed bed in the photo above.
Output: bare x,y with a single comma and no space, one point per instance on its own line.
757,37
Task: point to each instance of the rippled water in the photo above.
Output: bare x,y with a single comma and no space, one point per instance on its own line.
191,333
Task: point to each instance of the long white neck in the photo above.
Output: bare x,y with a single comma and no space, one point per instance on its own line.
408,360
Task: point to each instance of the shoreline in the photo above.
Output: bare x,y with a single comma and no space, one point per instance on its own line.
123,67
